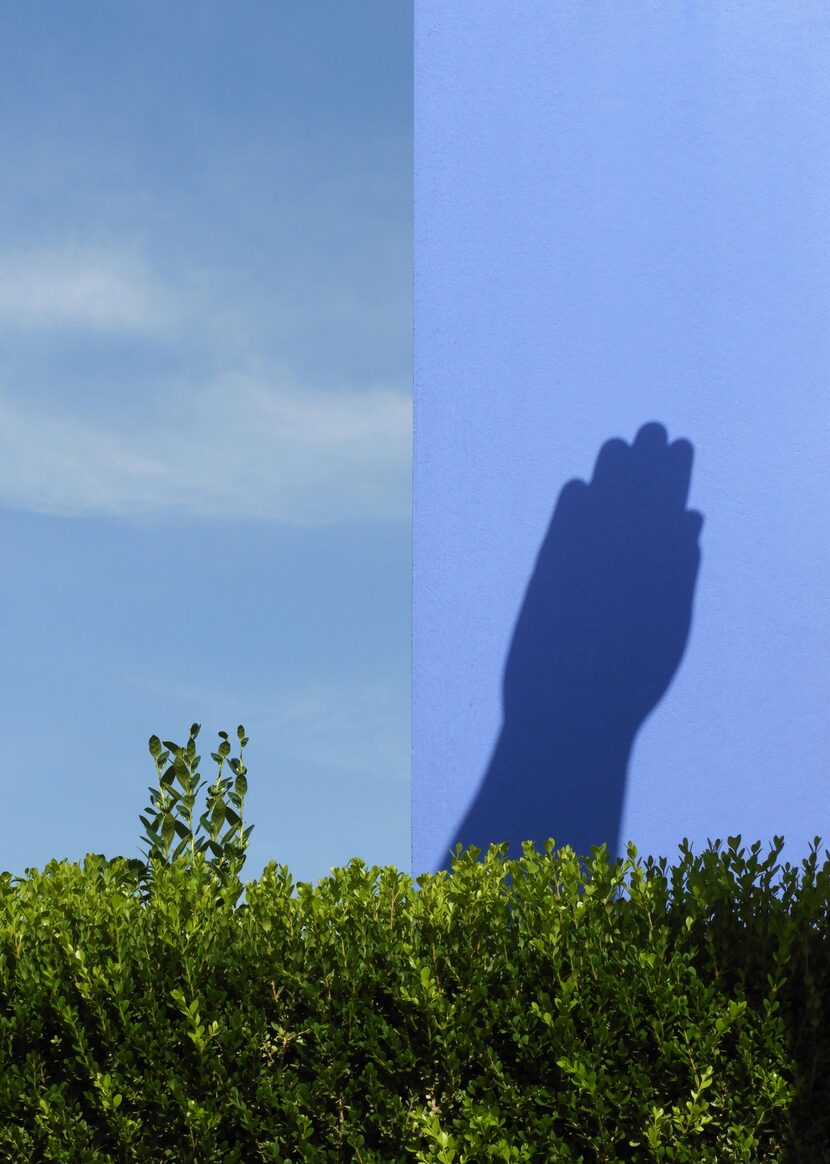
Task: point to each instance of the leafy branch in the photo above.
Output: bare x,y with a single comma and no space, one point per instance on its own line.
219,833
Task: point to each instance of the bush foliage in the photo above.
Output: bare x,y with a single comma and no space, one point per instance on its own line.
546,1009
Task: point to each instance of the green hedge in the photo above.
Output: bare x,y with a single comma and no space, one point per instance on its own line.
548,1009
511,1011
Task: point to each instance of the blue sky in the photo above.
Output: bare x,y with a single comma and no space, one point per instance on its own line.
205,373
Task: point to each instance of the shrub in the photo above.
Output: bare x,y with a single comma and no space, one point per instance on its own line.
533,1010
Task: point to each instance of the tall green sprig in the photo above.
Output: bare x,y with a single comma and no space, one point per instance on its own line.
225,804
219,834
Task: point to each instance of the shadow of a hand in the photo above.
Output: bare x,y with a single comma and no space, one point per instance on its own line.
600,635
607,612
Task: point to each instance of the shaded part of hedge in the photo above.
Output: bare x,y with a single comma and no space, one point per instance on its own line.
513,1011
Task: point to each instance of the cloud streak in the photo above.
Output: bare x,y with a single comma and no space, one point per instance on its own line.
239,448
357,726
81,289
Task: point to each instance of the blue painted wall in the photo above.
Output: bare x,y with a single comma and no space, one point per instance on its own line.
622,219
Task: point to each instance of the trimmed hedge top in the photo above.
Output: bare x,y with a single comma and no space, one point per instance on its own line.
533,1010
547,1009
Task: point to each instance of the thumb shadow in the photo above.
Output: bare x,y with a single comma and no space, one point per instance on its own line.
601,632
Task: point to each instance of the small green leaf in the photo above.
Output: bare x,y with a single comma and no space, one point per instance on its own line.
152,834
217,820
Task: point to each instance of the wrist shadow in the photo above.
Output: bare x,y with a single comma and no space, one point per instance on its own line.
600,634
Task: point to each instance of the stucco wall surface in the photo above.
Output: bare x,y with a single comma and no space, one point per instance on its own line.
622,219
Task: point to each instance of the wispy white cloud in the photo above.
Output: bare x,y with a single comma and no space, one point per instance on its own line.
236,446
358,727
359,730
239,448
82,289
